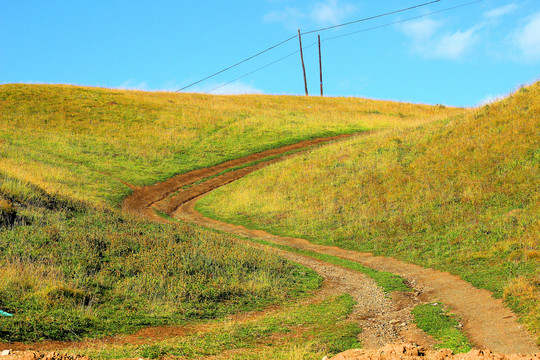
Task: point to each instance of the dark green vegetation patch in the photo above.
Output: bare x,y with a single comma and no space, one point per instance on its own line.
435,320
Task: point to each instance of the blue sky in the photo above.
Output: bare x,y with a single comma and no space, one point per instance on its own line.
462,57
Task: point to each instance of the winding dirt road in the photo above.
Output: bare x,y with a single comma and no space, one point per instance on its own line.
486,321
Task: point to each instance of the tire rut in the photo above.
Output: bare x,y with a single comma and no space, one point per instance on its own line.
486,321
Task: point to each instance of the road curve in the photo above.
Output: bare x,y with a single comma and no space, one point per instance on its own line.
486,321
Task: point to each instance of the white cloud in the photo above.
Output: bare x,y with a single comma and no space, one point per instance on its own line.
170,86
528,39
490,99
453,46
500,11
133,85
421,29
330,12
236,88
427,39
322,13
291,18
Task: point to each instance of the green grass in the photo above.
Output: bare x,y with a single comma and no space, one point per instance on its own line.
386,280
301,331
69,271
239,167
459,194
437,322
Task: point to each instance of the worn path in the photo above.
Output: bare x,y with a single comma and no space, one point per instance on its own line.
487,322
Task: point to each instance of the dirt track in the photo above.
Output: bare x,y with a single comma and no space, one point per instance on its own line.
486,321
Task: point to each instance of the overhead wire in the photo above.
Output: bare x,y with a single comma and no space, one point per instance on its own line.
344,35
404,20
308,32
261,68
370,18
238,63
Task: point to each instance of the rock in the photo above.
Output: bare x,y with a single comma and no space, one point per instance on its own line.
5,353
30,355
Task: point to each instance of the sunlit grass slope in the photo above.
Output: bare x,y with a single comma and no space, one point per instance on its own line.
72,266
69,270
80,141
461,194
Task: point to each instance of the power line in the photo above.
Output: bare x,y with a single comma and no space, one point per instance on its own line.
404,20
308,32
259,69
343,35
371,17
238,63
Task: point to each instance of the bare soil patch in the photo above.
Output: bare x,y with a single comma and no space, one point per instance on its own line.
415,352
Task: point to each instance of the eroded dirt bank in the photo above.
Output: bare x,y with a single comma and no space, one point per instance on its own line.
414,352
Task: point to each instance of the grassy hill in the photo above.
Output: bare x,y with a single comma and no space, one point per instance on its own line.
73,266
459,194
82,141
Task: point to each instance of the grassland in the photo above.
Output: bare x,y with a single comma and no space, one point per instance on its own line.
299,331
459,194
70,271
72,266
81,141
385,280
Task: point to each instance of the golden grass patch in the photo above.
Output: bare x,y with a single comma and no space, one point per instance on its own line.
459,194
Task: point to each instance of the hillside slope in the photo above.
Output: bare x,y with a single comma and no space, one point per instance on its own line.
72,266
460,195
84,142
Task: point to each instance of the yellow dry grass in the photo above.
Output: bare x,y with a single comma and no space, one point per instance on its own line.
78,140
460,194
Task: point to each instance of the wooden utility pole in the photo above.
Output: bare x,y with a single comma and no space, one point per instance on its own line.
302,58
320,62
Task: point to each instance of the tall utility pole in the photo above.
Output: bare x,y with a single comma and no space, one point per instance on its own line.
320,62
302,58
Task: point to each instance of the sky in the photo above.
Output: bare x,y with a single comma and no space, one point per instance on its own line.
431,54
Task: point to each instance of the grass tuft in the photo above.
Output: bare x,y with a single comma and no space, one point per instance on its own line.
436,321
299,331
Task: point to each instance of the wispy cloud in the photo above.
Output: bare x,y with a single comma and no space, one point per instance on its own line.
330,12
428,40
432,39
291,18
500,11
420,30
527,39
454,45
236,88
322,13
490,99
133,85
